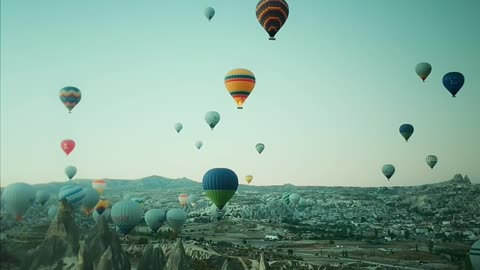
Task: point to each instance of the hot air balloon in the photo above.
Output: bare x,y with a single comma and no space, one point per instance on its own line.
198,144
406,130
240,83
192,200
18,197
294,198
220,184
101,206
105,214
286,197
155,219
139,200
70,96
73,194
126,215
431,160
209,13
70,171
178,127
99,185
216,214
423,70
67,146
52,211
388,170
176,218
260,147
212,118
41,197
183,199
90,201
272,15
475,255
453,81
248,178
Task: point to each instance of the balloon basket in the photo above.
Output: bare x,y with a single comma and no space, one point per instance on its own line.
272,38
240,108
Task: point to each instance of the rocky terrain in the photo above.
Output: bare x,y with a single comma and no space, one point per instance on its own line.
421,227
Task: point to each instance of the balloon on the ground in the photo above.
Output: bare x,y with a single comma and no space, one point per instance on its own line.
155,218
209,13
431,161
423,70
73,194
453,81
388,170
70,171
176,218
212,118
18,197
272,15
406,130
178,127
220,184
260,147
240,83
126,215
41,197
70,96
67,146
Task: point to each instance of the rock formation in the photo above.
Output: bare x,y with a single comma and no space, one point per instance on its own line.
153,258
178,260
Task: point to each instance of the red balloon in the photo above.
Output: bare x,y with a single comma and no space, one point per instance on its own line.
67,146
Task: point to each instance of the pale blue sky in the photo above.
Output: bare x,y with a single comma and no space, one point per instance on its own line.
331,91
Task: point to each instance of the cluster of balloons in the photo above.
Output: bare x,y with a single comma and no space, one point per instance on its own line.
271,14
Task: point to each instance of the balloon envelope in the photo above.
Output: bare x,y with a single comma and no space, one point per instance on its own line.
431,161
272,15
198,144
192,200
423,70
388,170
18,197
99,185
220,184
475,255
90,201
209,13
260,147
178,127
42,197
155,219
240,83
248,178
212,118
183,199
406,130
176,218
70,96
453,81
67,146
73,194
70,171
52,211
126,215
106,214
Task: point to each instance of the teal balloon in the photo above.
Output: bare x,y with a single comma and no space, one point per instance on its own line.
52,211
406,130
176,218
41,197
91,199
70,171
18,197
431,161
388,170
260,147
423,70
126,215
212,118
294,198
178,127
199,144
209,13
155,218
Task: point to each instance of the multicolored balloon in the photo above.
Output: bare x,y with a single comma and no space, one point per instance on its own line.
70,96
99,185
248,178
423,70
272,15
240,83
212,118
453,81
67,146
183,199
107,214
209,13
73,194
431,161
406,130
388,170
102,205
220,184
126,215
70,171
260,147
178,127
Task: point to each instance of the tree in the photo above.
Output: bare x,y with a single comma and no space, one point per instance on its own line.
244,241
407,234
331,242
290,252
468,263
430,246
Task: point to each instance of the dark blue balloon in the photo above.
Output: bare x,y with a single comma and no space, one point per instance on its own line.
406,130
453,81
220,179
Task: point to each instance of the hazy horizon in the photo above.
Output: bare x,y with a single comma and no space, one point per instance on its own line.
330,94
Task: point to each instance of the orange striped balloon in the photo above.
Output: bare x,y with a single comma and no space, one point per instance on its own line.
240,83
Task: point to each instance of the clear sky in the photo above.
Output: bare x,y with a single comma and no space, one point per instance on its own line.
331,91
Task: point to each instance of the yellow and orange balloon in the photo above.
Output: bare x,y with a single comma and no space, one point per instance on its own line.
240,83
248,178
